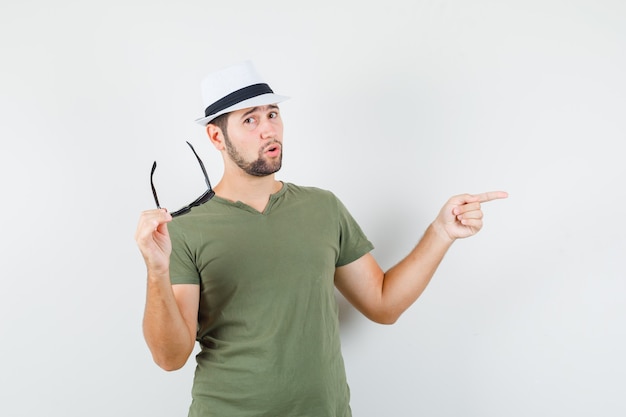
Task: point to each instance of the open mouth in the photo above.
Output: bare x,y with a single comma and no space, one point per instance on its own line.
273,149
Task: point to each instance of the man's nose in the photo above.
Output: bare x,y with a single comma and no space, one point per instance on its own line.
268,128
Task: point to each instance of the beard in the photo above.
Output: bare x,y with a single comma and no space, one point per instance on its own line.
259,167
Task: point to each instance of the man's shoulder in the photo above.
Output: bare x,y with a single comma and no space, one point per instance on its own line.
311,195
308,190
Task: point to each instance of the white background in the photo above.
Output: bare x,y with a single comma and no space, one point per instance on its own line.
396,106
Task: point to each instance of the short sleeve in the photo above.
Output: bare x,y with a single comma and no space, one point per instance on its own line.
352,241
183,268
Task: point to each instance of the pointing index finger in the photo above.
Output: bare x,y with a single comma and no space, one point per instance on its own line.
491,195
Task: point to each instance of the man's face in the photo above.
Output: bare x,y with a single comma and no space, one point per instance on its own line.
254,139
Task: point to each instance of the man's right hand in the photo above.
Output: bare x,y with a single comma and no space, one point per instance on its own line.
154,241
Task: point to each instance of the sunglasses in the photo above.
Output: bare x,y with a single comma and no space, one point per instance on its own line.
208,194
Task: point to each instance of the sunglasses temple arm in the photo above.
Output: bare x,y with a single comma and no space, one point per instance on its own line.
154,194
206,176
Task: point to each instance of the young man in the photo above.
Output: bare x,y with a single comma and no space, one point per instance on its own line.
251,273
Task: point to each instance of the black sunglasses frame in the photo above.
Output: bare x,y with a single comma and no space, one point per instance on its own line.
206,196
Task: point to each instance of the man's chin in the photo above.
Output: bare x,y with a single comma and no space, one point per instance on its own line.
265,172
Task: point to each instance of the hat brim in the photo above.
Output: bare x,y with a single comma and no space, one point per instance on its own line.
262,100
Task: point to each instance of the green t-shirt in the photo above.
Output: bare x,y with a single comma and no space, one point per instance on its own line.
267,321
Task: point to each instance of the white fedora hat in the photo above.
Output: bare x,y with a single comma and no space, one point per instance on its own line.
234,88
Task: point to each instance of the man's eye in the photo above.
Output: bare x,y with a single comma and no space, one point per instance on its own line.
249,120
273,115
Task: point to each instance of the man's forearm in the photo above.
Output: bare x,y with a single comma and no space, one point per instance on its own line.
405,282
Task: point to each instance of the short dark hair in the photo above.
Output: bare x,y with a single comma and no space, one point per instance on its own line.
221,121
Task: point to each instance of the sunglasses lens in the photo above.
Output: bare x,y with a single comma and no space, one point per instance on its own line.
199,201
180,212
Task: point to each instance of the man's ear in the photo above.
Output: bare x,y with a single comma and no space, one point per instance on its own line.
215,136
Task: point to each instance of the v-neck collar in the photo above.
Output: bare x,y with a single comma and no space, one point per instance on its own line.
268,207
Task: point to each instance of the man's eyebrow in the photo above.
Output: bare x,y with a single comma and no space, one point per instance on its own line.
257,108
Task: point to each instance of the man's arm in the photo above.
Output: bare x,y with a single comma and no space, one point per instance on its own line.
171,312
170,322
384,296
